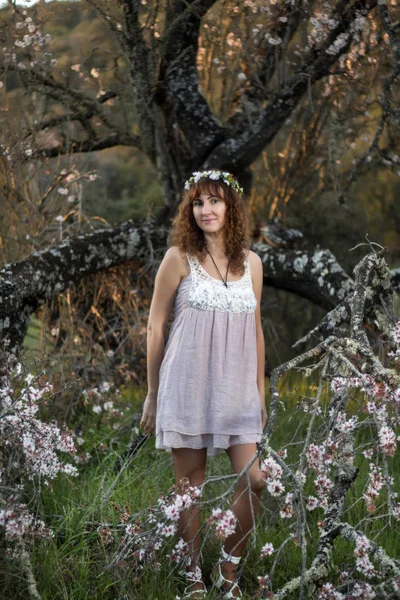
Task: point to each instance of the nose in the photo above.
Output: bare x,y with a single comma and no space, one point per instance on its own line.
206,208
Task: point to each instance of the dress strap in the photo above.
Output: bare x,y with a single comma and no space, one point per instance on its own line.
192,265
247,270
190,259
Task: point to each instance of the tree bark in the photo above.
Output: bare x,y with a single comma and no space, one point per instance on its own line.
30,283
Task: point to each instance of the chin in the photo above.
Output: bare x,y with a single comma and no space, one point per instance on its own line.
211,229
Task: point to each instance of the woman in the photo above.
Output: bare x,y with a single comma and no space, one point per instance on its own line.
206,389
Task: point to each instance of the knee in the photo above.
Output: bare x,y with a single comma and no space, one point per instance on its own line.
257,484
197,477
194,476
254,483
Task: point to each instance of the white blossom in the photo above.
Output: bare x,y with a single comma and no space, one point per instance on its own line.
267,550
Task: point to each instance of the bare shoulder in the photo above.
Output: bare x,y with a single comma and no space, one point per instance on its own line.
176,260
256,269
254,260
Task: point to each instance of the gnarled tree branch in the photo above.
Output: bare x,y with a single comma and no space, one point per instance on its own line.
30,283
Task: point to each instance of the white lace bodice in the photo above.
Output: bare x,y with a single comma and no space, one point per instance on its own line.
208,293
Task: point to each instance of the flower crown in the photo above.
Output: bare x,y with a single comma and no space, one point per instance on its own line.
227,178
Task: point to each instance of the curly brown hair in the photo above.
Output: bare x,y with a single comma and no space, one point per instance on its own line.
188,236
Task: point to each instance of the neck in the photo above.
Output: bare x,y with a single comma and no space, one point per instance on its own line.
215,245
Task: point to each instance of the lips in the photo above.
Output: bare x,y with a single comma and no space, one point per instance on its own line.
208,220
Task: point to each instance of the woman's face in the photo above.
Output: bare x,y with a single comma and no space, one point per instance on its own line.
209,212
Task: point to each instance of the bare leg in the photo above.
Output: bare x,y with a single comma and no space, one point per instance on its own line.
190,464
245,504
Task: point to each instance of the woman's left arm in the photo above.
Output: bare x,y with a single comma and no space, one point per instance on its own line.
257,276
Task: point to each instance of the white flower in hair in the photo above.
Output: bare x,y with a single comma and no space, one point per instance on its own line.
226,177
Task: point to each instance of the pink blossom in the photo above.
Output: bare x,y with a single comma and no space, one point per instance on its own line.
316,457
362,545
387,440
396,334
312,503
39,442
323,484
17,522
271,468
345,425
275,487
363,563
267,550
375,484
338,383
172,512
287,510
328,592
363,591
365,566
396,512
168,530
368,453
263,580
225,522
179,551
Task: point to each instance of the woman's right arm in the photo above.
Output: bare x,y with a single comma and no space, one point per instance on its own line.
167,281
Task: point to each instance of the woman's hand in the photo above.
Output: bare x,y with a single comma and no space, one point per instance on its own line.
148,420
264,416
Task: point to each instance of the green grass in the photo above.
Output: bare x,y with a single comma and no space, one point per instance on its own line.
75,564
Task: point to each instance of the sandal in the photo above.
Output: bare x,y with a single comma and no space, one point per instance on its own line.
194,577
219,580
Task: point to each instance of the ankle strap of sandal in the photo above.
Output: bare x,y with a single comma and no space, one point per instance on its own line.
228,557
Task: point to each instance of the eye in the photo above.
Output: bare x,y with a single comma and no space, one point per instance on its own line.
197,202
214,200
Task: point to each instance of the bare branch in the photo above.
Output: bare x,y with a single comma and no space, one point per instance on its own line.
257,90
76,116
89,145
388,110
245,147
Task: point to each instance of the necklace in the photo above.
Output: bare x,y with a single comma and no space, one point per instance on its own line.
225,281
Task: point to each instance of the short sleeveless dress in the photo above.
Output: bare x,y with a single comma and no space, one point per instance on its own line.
208,395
